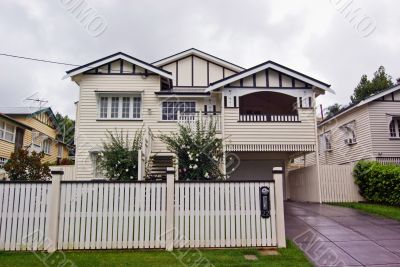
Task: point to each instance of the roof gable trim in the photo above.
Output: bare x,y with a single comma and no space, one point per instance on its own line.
114,57
272,65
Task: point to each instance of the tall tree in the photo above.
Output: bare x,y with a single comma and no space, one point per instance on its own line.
332,110
67,128
366,87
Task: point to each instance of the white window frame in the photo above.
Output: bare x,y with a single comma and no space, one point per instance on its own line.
3,130
46,146
132,97
349,131
175,101
326,141
396,121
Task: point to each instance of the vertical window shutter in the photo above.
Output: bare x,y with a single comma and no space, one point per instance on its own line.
205,109
214,109
225,101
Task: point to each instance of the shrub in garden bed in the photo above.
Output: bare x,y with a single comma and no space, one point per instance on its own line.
119,159
378,183
198,149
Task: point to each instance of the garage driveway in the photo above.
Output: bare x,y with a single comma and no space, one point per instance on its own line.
336,236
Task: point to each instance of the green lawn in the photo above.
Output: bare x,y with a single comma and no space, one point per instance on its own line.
291,256
377,209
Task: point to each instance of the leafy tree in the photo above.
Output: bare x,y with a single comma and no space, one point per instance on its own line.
119,159
26,166
366,87
333,110
67,128
198,149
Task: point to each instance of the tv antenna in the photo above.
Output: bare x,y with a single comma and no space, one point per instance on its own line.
36,99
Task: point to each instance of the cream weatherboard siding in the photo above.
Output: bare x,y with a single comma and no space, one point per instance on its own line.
196,71
382,144
92,132
297,133
342,153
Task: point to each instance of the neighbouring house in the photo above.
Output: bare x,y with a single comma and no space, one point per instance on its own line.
265,114
367,130
30,128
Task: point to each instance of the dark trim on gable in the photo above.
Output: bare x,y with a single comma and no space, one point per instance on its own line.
177,70
293,82
204,59
121,66
192,71
208,73
113,55
272,63
280,79
241,82
109,68
267,77
254,80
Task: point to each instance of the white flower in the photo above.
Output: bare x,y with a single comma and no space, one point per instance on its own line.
197,160
195,166
206,175
126,170
131,177
190,166
101,154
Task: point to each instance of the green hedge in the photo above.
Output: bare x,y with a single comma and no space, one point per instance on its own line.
377,182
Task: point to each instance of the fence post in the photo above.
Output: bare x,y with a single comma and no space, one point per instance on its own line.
277,173
169,235
54,210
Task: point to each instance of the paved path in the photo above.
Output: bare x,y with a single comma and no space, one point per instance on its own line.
335,236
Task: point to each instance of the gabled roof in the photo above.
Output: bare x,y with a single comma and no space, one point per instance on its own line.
272,65
201,54
116,56
29,111
22,125
362,103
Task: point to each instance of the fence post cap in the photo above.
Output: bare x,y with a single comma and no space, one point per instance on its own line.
57,172
277,170
170,170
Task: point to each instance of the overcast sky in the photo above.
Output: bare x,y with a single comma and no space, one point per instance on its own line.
313,37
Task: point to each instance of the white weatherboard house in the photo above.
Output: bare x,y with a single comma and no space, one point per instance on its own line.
264,113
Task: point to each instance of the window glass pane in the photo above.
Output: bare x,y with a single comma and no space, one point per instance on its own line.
136,107
2,125
9,136
114,107
10,128
103,107
125,107
392,129
1,134
170,109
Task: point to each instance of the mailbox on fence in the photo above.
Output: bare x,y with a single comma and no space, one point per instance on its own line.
265,204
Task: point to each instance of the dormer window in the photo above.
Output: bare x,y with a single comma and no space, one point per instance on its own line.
394,127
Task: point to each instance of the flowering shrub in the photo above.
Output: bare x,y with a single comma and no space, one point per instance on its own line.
198,149
26,166
119,159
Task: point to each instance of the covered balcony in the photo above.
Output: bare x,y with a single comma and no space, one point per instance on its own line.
268,107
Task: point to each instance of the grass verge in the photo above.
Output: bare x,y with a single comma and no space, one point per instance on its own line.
377,209
290,256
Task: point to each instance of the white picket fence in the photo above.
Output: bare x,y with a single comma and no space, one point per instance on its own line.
337,184
138,215
23,209
222,214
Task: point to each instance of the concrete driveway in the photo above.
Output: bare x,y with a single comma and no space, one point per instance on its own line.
335,236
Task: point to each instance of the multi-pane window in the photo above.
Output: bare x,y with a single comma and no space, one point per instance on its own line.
325,141
394,128
170,109
46,146
120,107
103,107
114,107
125,107
7,132
136,107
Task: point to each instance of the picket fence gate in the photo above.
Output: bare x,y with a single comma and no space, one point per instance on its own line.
67,215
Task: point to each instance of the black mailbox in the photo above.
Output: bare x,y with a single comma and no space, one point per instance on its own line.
265,205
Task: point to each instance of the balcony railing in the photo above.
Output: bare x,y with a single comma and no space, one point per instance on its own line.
268,118
205,118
